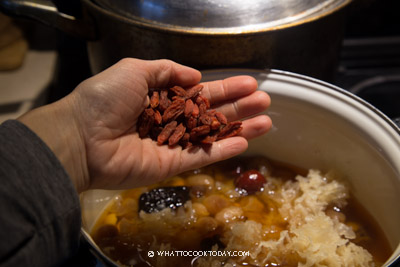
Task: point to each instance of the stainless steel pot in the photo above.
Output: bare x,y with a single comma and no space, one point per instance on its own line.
299,36
315,125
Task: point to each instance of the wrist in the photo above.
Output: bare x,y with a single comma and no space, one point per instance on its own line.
57,126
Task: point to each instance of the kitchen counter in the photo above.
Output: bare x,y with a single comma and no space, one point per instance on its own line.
26,87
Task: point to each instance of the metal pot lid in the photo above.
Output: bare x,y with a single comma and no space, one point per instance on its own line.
222,16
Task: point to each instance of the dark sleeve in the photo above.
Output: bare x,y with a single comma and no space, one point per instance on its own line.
39,207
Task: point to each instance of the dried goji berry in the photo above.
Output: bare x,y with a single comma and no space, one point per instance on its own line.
179,91
188,108
164,100
191,122
221,117
176,108
166,132
184,142
177,135
192,92
196,111
146,122
198,132
157,117
229,130
155,99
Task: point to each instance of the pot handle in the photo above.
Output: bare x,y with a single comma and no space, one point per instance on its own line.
47,13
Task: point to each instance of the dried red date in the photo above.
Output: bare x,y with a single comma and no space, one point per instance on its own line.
252,181
183,117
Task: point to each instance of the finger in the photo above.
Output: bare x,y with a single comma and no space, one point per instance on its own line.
255,127
247,106
173,161
164,73
198,157
228,89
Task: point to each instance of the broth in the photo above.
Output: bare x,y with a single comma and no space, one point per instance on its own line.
215,210
373,239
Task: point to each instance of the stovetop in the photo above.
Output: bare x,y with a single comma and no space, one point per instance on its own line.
370,68
370,56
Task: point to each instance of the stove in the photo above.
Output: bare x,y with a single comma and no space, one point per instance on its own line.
370,68
370,57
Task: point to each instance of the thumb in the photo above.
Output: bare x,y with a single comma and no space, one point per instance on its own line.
163,73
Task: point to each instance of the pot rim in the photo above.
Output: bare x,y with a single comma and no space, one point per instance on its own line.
233,31
95,250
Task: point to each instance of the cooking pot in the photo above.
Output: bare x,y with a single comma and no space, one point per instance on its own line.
316,125
299,36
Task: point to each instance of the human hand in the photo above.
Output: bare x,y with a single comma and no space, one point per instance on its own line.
101,146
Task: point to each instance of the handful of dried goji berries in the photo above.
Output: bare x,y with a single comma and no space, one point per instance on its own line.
183,117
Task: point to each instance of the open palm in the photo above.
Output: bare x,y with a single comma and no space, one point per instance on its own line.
111,102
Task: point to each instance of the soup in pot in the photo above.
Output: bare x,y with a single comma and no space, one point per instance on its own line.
246,211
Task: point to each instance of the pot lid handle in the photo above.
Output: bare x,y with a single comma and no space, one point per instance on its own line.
48,14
